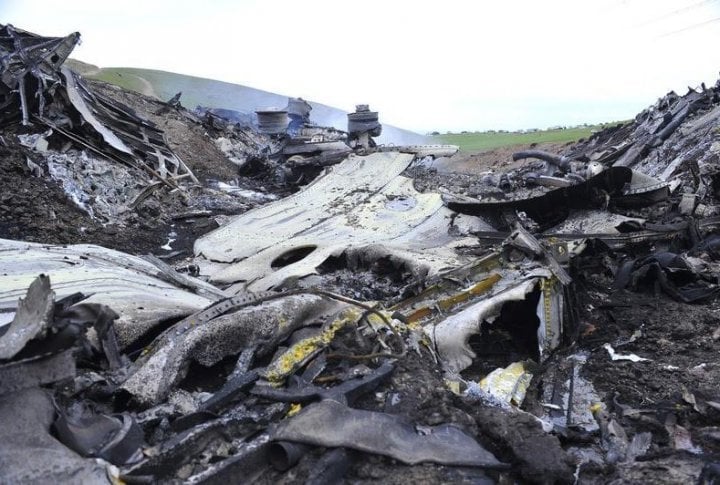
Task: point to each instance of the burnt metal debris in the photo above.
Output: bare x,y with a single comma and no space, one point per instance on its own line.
332,310
363,125
35,81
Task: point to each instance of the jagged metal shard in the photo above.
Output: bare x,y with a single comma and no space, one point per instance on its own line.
30,61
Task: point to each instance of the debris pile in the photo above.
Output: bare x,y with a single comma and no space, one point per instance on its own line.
35,81
350,313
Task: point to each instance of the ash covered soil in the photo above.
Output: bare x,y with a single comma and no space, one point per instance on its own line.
36,208
665,395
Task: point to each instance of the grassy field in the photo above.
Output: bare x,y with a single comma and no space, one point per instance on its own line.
123,79
475,142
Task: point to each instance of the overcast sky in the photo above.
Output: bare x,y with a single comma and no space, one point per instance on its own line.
445,65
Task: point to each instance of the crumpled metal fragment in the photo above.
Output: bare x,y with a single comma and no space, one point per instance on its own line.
331,424
116,438
29,453
32,317
261,323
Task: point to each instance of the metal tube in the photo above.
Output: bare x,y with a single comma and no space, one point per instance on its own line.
283,455
561,162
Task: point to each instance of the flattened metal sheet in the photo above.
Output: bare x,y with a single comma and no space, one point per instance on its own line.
129,285
362,203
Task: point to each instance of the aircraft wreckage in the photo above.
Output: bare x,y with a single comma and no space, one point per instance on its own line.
349,325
